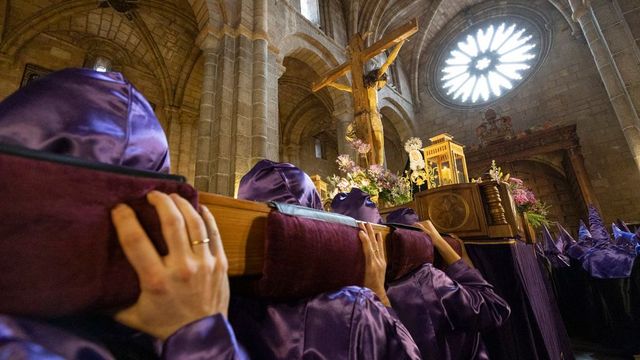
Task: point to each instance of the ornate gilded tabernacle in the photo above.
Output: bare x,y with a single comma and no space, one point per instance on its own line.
445,162
482,211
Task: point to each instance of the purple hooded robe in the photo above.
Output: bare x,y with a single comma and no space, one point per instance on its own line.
349,323
98,117
446,310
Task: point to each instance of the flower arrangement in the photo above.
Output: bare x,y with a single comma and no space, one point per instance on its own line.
383,185
526,201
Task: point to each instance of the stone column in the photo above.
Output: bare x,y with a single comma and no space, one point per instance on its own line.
174,134
622,44
582,177
204,167
343,118
613,81
186,156
260,58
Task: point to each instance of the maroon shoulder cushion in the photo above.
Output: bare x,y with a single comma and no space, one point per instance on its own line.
406,251
59,253
305,257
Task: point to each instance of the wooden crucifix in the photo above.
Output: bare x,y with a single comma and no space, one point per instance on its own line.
367,125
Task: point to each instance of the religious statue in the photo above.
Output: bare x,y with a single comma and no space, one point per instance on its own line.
367,125
494,128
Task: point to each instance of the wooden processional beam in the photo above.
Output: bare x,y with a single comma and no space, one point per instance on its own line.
242,225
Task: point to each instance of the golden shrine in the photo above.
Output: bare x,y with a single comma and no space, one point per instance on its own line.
445,161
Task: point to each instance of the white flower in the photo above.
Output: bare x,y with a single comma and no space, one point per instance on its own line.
413,143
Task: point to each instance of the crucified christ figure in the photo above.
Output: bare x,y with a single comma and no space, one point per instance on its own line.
367,125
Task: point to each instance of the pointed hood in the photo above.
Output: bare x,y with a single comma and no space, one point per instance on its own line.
625,240
552,251
622,237
550,246
622,225
584,235
564,237
596,226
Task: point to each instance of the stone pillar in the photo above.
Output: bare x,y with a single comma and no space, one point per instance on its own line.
204,162
622,44
343,118
260,58
613,81
582,177
186,139
174,134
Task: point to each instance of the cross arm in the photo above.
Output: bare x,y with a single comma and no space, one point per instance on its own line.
392,38
331,77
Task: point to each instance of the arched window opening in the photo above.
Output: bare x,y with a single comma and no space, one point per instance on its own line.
310,9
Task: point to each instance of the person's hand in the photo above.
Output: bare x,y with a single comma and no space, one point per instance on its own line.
446,251
375,263
189,283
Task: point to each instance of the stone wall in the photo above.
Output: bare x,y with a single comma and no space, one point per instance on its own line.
566,89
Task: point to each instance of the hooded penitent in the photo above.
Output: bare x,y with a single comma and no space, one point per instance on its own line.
89,115
356,204
280,182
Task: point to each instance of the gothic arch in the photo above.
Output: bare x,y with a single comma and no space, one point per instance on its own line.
398,116
311,52
298,120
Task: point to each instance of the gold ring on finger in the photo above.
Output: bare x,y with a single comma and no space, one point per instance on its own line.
200,242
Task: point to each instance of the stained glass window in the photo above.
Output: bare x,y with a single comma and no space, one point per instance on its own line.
487,62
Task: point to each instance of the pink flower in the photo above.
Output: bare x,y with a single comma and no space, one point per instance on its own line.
521,197
360,146
376,170
516,181
345,164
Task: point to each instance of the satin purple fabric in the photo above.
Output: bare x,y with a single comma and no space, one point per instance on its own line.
346,324
601,257
279,182
207,338
577,249
404,216
625,240
608,262
552,250
597,229
446,310
302,258
356,204
86,114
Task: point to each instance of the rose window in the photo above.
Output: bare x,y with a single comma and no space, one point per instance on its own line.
487,62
